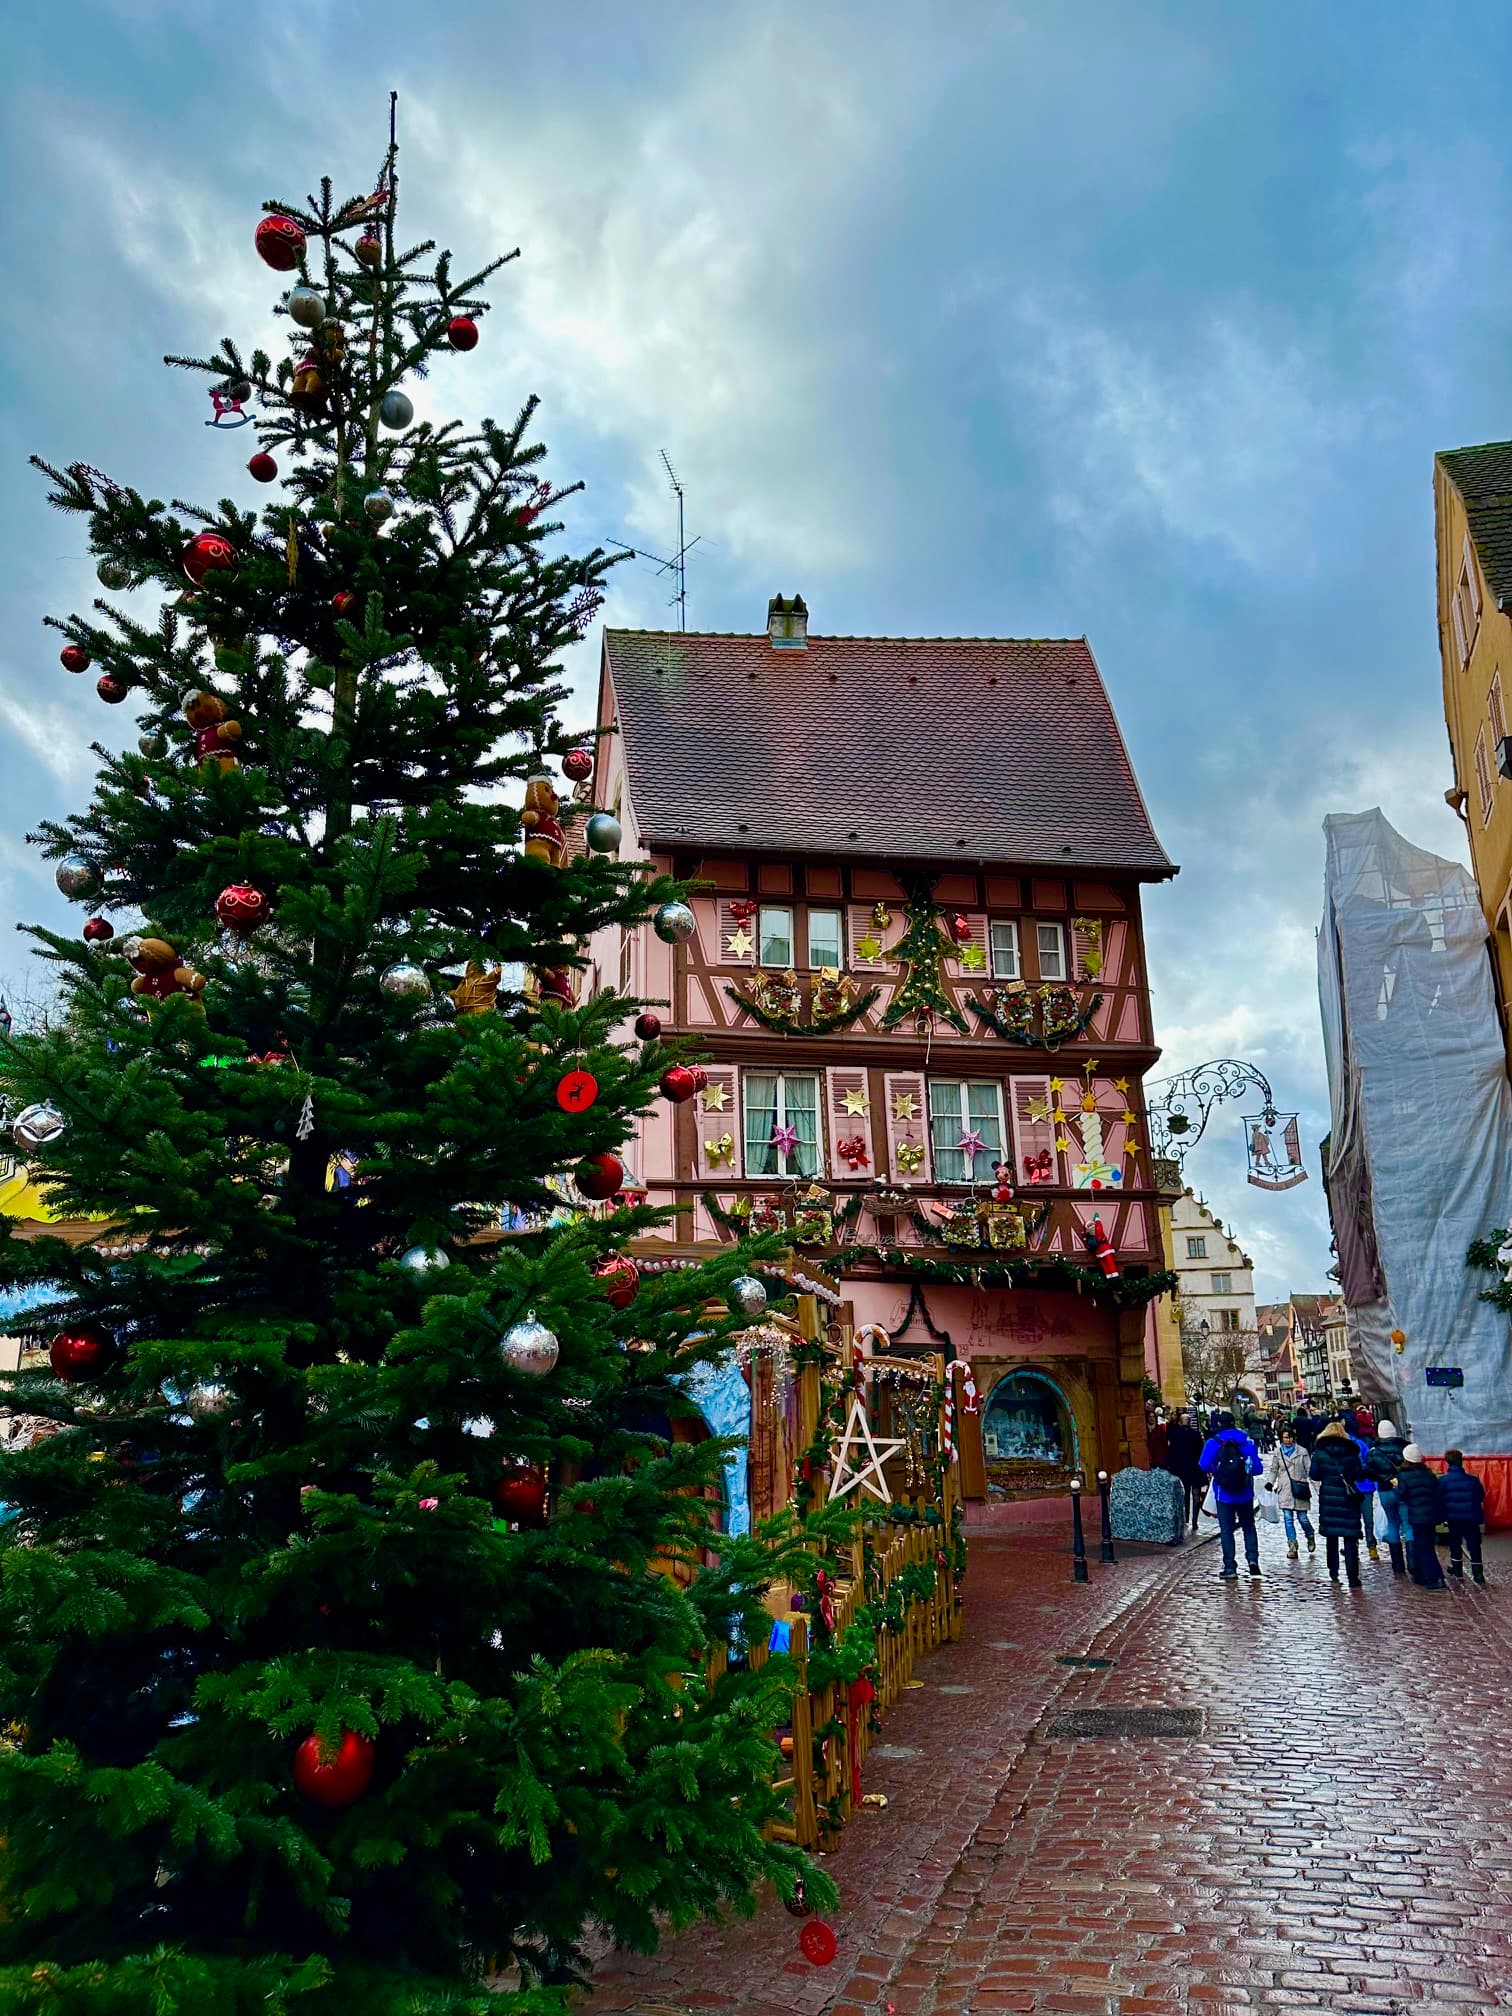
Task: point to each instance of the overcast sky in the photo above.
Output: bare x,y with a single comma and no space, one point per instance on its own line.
1138,321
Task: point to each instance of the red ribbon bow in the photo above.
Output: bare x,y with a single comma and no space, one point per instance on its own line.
1039,1168
852,1151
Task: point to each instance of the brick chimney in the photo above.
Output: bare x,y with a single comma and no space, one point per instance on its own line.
787,623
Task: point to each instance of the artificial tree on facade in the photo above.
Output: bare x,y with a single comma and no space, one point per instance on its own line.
337,1663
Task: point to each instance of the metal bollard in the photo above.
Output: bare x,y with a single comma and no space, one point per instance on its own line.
1106,1553
1078,1538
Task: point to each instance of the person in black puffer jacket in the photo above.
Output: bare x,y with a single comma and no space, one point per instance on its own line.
1423,1501
1464,1498
1383,1463
1337,1468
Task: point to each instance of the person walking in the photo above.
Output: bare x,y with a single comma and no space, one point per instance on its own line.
1233,1463
1367,1484
1384,1463
1465,1511
1337,1469
1286,1474
1158,1438
1303,1426
1421,1495
1184,1460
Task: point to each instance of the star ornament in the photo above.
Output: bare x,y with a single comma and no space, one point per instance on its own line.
855,1102
858,1459
869,947
972,958
971,1145
784,1139
740,943
714,1098
905,1106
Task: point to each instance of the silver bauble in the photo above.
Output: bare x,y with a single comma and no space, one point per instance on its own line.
76,877
113,574
747,1297
37,1127
528,1347
396,410
405,981
603,833
307,306
674,923
152,746
422,1261
208,1399
379,506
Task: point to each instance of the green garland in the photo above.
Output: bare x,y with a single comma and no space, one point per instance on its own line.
1482,1253
1042,1270
1046,1040
739,1222
783,1023
922,950
931,1232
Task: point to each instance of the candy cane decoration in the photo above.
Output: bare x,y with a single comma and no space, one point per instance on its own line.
869,1338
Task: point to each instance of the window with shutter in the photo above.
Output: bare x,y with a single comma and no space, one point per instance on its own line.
826,939
782,1131
869,941
1034,1132
1087,948
970,943
961,1113
850,1121
737,931
1483,777
907,1127
1051,941
719,1135
1497,712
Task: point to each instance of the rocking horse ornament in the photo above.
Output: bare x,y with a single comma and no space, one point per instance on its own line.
227,402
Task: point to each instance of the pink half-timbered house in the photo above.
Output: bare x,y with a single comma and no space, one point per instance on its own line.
918,982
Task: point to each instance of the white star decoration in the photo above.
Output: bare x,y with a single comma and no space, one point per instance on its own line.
847,1472
740,943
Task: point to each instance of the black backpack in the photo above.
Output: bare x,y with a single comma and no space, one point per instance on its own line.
1231,1472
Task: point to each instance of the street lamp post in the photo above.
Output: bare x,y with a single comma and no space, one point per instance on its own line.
1078,1538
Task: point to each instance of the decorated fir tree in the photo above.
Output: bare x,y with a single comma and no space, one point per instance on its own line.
337,1648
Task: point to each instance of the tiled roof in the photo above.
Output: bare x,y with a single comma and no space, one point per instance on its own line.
930,748
1483,478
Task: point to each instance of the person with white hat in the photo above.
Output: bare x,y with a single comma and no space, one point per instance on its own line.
1419,1490
1383,1462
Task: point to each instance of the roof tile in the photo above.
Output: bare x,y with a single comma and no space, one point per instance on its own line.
1483,478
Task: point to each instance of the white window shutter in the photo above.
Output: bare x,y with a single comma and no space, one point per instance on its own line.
1033,1135
849,1131
1083,942
718,1156
860,930
907,1126
732,924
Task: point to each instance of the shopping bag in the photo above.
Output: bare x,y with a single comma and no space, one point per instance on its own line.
1210,1503
1266,1506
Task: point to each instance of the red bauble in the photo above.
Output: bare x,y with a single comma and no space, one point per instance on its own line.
343,600
207,553
462,333
620,1277
600,1175
280,243
578,765
263,467
241,907
368,251
522,1496
700,1078
577,1091
678,1084
960,927
334,1777
81,1353
818,1942
74,658
647,1026
111,691
99,930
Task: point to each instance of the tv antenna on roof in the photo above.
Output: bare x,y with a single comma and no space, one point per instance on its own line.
677,566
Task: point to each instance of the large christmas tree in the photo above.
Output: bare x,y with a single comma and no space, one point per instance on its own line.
338,1650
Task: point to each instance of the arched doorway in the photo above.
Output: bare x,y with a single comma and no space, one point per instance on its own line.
1029,1438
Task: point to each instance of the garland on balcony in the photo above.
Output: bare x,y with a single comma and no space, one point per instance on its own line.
776,1005
985,1218
1130,1291
807,1216
1059,1022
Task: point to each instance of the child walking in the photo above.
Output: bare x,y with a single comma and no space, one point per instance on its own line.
1464,1498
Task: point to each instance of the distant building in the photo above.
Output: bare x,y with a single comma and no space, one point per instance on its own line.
1336,1338
1217,1275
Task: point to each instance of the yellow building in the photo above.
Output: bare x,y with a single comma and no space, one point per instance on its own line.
1472,498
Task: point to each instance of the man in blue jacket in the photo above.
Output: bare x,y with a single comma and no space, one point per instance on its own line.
1231,1459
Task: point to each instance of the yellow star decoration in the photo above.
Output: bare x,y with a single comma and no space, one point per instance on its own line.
972,959
858,1439
1120,1084
714,1097
1059,1117
740,942
1127,1117
1063,1144
1039,1109
869,947
1057,1084
855,1102
905,1106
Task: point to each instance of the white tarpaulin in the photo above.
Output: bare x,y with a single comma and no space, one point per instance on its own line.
1420,1151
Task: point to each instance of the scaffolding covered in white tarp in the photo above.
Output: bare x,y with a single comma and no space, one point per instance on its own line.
1419,1157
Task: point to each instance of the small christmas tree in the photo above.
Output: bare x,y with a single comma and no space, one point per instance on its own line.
921,951
334,1649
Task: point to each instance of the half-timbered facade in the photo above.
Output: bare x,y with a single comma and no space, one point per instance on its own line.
918,984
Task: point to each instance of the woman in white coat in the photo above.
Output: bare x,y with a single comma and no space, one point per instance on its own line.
1286,1474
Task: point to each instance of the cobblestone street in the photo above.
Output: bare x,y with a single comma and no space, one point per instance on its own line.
1335,1838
